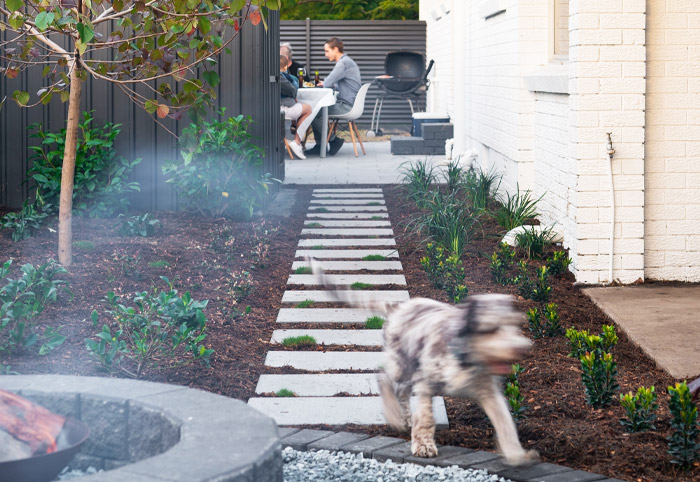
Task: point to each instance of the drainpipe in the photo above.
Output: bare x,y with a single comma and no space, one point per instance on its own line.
611,152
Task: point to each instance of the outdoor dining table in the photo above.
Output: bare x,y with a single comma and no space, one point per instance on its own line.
319,98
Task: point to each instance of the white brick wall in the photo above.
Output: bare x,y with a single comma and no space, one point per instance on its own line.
439,47
672,183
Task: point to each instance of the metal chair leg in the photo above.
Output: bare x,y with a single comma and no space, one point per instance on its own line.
374,113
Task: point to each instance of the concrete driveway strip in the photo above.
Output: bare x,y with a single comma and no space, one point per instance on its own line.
661,318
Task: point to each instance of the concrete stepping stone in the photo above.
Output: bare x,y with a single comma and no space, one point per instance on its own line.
337,195
330,243
320,384
333,410
347,232
323,315
350,209
349,202
334,337
345,253
313,215
322,296
351,189
353,265
321,361
348,279
322,223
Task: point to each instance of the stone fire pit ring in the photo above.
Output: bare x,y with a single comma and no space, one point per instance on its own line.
154,432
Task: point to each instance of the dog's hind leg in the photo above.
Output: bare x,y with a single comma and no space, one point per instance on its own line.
496,408
423,425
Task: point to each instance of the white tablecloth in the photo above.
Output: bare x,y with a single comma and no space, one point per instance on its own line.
319,99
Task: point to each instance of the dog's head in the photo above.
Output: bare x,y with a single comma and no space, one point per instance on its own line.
491,333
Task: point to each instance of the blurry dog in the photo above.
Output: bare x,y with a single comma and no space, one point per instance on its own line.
435,348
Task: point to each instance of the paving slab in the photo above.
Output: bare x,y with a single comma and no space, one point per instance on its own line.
332,410
286,431
444,452
301,439
313,215
347,232
348,279
661,318
345,253
348,202
320,384
320,223
319,361
353,265
356,189
334,337
330,243
321,296
347,195
368,446
349,209
572,476
324,315
499,467
467,460
334,442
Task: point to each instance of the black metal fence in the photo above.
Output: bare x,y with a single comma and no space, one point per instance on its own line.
248,86
367,42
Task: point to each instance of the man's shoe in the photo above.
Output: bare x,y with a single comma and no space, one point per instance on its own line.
297,150
335,144
314,151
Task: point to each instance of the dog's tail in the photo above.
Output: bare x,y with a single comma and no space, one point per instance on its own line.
349,297
393,412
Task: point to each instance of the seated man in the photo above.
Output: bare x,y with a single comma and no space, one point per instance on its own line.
292,109
345,78
286,50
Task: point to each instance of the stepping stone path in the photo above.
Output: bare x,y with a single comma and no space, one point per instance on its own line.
354,214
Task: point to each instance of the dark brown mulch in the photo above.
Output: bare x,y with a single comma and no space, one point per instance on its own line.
202,254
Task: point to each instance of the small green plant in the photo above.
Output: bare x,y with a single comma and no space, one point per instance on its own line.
313,225
446,273
537,289
582,341
683,443
318,246
374,257
7,370
502,263
454,176
512,392
161,263
640,409
305,304
516,209
374,203
26,222
129,264
303,342
144,225
482,187
534,322
374,323
534,241
261,248
160,330
377,218
84,245
553,326
240,285
358,285
419,178
599,376
285,393
558,263
22,299
321,210
302,270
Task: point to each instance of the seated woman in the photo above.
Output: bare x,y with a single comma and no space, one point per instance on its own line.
292,109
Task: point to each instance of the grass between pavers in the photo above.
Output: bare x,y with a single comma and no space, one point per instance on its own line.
321,210
358,285
285,393
374,257
374,203
299,342
377,218
305,304
374,323
313,225
318,246
302,270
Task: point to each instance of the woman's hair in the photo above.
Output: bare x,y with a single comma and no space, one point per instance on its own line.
335,42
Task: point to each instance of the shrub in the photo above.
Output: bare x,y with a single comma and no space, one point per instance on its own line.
24,223
558,263
374,323
129,264
446,273
144,225
512,392
534,241
682,443
454,176
300,342
599,376
516,209
538,289
222,170
419,178
22,299
640,409
482,187
581,341
501,263
305,304
161,330
100,181
240,285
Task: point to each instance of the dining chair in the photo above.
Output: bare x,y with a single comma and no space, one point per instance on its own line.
355,113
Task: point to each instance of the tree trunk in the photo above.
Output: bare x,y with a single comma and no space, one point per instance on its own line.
65,213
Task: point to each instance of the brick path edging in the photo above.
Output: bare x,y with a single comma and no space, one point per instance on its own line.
398,450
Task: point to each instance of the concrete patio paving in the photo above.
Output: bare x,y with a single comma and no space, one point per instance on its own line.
661,318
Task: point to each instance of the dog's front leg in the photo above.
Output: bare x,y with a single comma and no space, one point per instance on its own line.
423,424
496,408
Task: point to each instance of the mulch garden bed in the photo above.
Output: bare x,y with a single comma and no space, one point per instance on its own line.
201,255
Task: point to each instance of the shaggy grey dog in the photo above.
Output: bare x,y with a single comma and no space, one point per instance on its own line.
435,348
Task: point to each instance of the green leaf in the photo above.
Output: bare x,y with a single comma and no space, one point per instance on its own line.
86,33
212,78
204,25
151,106
21,97
118,5
236,6
17,20
192,85
43,20
65,95
14,5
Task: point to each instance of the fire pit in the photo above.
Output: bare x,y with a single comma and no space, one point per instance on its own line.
152,432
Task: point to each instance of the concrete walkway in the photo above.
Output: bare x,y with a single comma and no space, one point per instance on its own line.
661,318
